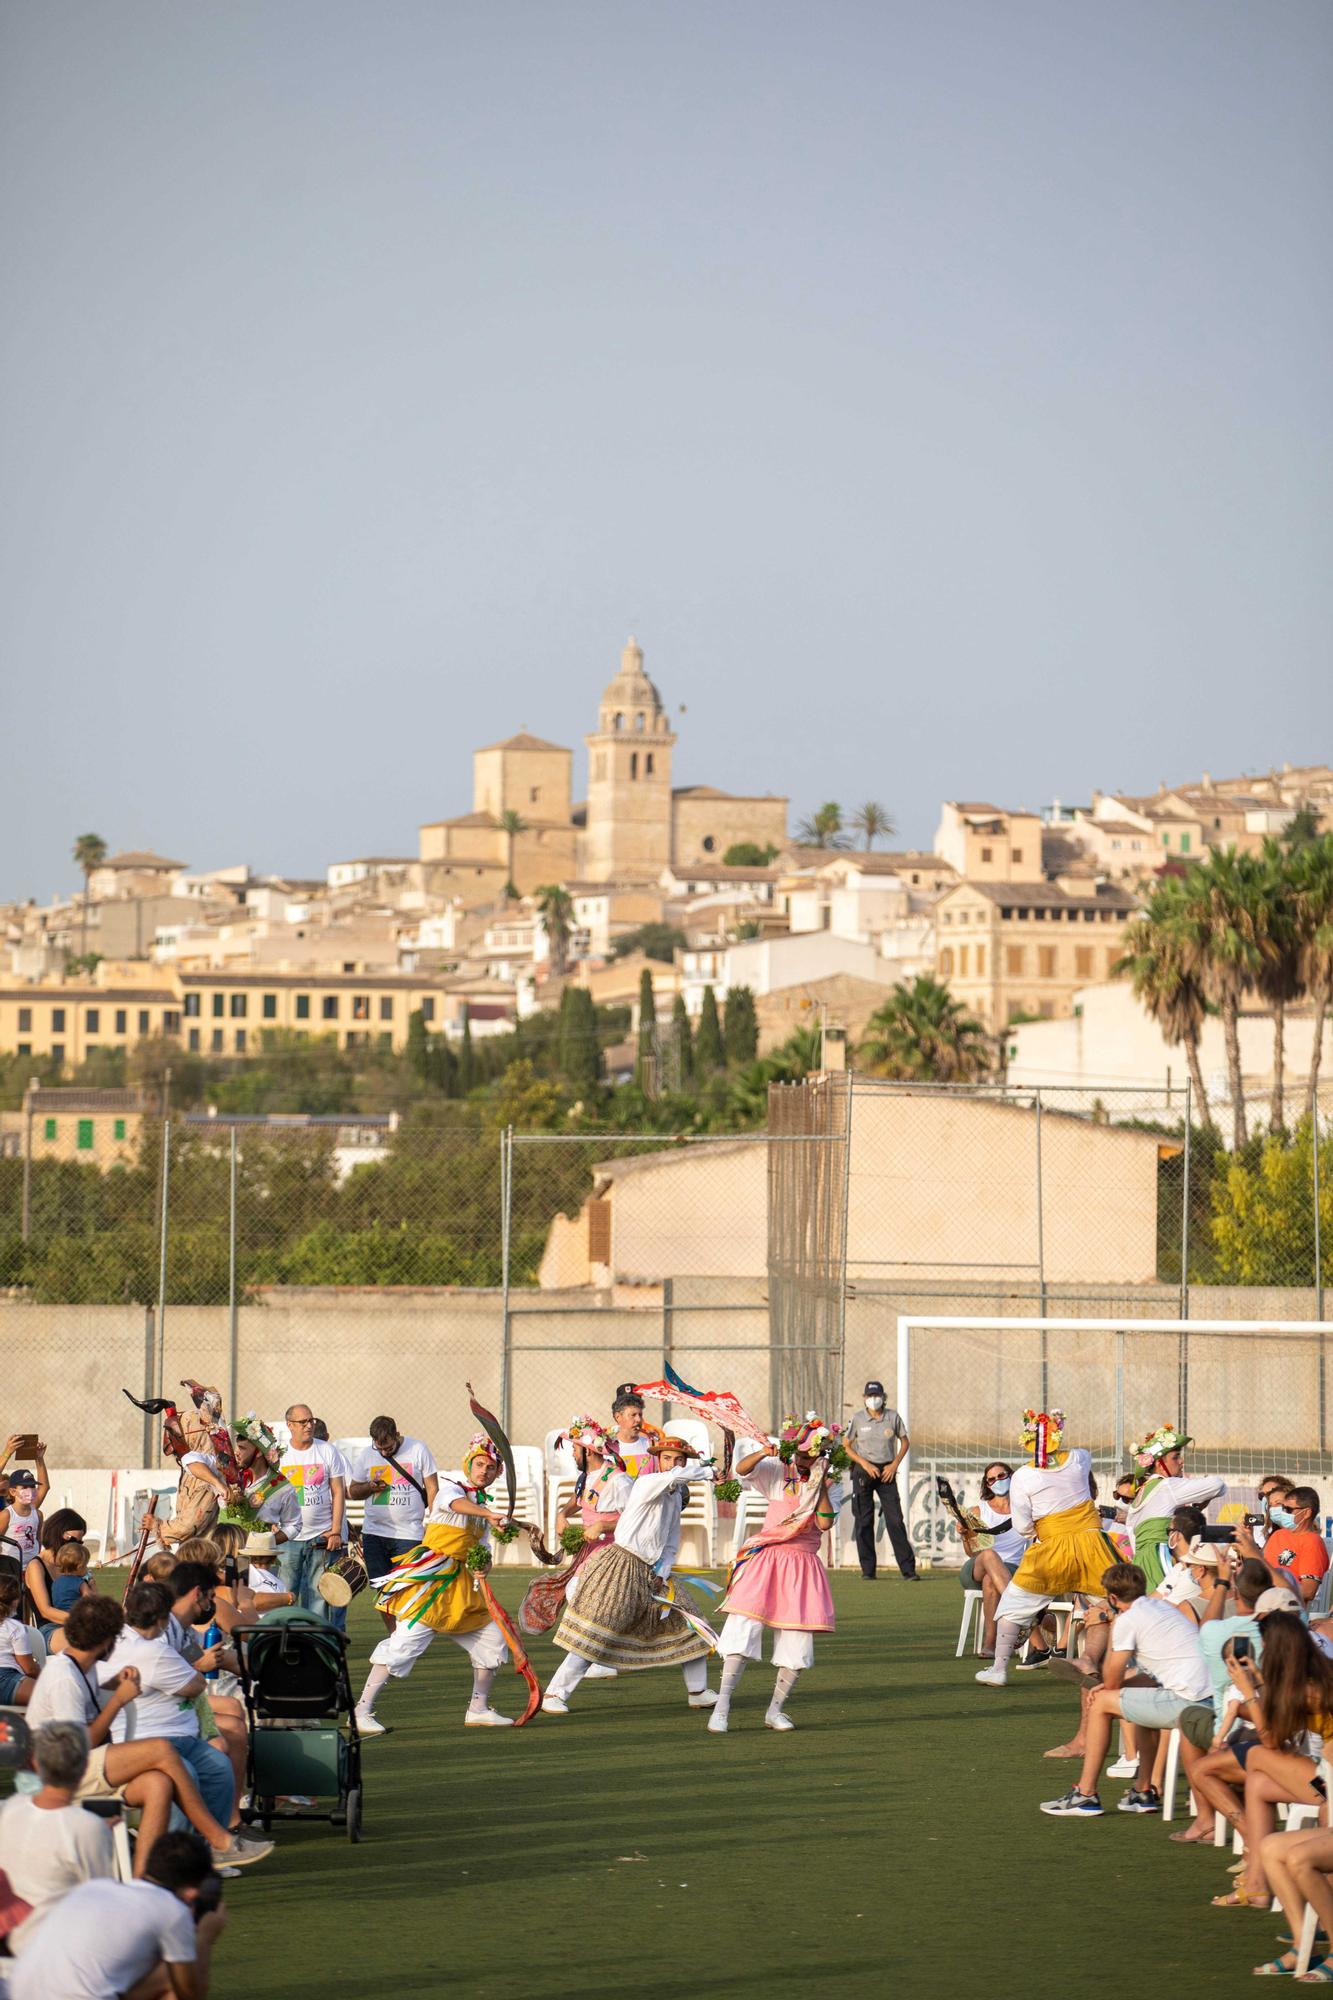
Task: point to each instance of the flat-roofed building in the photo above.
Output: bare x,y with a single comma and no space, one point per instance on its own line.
1015,949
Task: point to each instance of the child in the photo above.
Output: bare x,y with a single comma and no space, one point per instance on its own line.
71,1578
24,1525
18,1669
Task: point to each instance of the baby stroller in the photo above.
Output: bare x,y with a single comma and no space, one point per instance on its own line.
298,1693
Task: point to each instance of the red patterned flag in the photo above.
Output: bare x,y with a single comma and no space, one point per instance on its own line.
714,1406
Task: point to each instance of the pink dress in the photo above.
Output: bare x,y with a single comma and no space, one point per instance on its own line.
783,1584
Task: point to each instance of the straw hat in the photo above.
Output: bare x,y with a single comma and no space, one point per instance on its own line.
259,1543
1203,1554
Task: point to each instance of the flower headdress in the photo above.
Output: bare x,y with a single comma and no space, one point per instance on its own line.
811,1435
251,1429
1042,1428
1167,1437
587,1431
478,1444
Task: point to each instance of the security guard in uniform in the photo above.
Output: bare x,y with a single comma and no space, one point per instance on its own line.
877,1444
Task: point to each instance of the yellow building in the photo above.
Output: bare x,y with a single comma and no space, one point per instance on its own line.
987,844
63,1021
98,1127
1005,950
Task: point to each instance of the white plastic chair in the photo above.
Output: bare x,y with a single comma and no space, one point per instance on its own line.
972,1607
529,1503
561,1473
1171,1776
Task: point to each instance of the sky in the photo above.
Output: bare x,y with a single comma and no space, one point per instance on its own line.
941,393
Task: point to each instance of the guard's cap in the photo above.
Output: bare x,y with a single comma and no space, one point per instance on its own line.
873,1389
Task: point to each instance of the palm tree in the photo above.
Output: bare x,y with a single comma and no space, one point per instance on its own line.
89,853
1162,966
511,823
823,828
1312,899
873,823
921,1034
1224,903
556,909
1278,979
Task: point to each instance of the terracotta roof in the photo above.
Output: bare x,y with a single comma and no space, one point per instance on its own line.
524,741
1048,895
139,858
1115,826
976,806
75,1099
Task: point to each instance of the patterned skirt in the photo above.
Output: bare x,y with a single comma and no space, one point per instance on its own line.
615,1622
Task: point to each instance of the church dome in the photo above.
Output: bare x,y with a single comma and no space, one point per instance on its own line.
631,695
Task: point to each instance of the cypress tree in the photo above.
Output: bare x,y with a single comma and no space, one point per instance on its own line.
680,1034
647,1030
582,1059
742,1026
708,1037
467,1061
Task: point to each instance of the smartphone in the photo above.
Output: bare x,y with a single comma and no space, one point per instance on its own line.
1241,1649
1219,1535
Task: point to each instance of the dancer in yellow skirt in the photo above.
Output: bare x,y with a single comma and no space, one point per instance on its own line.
1052,1499
431,1589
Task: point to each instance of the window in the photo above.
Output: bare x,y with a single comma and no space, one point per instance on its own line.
1166,840
25,1020
987,853
192,1006
428,1009
1015,854
57,1020
219,1005
240,1004
122,1021
194,1041
1184,843
215,1042
1111,960
385,1041
946,961
981,961
303,1006
92,1020
25,1048
648,764
708,843
240,1041
357,1040
49,1130
57,1052
1083,961
962,961
328,1007
84,1136
534,795
638,722
118,1129
144,1022
349,965
270,1007
360,1006
171,1022
634,763
618,722
1013,960
386,1006
1046,960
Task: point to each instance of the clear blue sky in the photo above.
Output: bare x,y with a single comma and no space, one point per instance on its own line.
941,392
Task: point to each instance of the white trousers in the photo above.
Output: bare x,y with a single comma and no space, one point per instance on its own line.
746,1636
1023,1606
406,1643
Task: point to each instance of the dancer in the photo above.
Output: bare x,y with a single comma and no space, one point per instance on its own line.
778,1578
432,1589
598,1500
1159,1488
622,1611
1051,1498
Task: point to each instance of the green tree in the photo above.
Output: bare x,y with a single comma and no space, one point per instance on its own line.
511,824
89,853
1225,913
1162,964
643,1069
580,1048
1263,1212
1278,978
708,1053
922,1033
749,854
681,1041
873,823
555,906
1312,900
467,1057
823,828
657,941
741,1032
747,1092
528,1102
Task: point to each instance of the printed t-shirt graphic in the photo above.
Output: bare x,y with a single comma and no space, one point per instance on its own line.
309,1474
398,1514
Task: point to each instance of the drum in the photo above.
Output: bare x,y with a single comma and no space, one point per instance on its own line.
343,1579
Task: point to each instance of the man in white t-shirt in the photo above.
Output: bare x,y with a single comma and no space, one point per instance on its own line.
1163,1644
110,1935
317,1474
168,1688
398,1480
48,1844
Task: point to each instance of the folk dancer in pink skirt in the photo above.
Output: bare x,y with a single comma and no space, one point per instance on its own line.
778,1578
600,1493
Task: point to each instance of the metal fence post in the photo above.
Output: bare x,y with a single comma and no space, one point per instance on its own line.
150,1455
1041,1253
1318,1270
25,1227
1185,1212
842,1247
506,1207
232,1319
1120,1397
668,1298
162,1257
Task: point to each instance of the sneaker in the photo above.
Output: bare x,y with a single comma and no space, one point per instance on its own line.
1033,1661
366,1725
913,1578
1149,1801
487,1718
242,1853
708,1699
775,1719
1123,1767
717,1725
869,1576
992,1677
1074,1805
552,1705
600,1673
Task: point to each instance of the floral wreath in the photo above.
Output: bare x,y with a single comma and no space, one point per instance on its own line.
811,1435
1167,1437
1054,1421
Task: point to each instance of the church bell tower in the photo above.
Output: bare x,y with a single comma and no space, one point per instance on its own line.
628,835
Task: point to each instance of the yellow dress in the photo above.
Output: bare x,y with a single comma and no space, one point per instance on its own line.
1071,1553
432,1584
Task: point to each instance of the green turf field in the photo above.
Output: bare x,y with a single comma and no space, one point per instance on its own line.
891,1841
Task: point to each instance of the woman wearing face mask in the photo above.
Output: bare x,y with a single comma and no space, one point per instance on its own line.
990,1569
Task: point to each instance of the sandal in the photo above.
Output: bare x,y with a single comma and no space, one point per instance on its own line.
1276,1968
1318,1975
1240,1898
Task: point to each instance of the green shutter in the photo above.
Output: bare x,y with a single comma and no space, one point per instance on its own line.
50,1128
84,1141
119,1128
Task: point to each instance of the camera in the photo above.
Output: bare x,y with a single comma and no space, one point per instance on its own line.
1239,1648
1218,1535
1254,1520
230,1572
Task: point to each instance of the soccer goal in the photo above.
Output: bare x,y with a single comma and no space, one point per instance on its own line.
1252,1393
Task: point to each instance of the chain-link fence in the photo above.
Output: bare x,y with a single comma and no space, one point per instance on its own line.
364,1263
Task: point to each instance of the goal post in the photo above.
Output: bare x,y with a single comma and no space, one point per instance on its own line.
1252,1393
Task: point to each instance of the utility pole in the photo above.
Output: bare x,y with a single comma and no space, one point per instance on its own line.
28,1094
